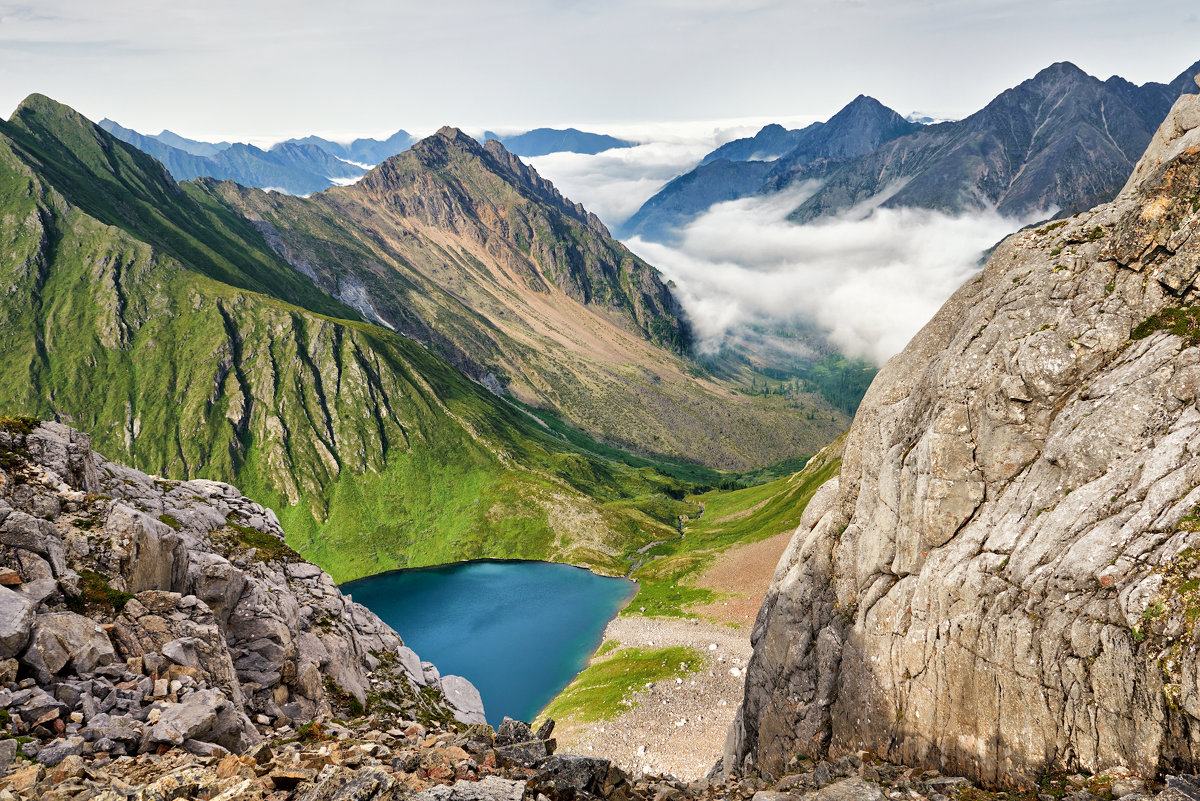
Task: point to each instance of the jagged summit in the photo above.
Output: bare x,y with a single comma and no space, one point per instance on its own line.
1002,582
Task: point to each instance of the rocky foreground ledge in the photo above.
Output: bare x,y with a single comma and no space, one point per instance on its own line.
382,758
139,614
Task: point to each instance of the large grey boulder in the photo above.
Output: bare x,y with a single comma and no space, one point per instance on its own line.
1004,581
62,639
464,699
205,716
16,622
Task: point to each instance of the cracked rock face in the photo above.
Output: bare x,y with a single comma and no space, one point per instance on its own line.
1005,578
129,599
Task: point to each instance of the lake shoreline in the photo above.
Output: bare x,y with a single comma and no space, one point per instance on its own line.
481,560
678,726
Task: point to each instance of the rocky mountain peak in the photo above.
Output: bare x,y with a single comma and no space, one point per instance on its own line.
1002,581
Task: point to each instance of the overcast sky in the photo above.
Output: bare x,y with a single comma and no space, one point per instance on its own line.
266,69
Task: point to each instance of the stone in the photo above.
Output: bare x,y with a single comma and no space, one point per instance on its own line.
1126,787
9,577
490,788
69,767
24,780
528,754
62,639
8,753
288,778
192,719
20,530
464,699
53,753
16,622
591,775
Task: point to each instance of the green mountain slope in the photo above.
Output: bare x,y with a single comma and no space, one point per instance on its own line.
165,327
465,248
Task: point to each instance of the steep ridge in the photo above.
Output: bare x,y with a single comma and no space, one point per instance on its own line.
375,453
464,247
1003,580
736,169
1062,139
128,190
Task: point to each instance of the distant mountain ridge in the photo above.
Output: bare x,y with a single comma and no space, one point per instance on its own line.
543,141
1060,139
361,151
740,168
295,167
310,164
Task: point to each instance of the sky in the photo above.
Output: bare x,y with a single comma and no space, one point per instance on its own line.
261,70
678,77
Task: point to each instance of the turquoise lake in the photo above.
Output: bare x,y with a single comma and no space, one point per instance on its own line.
520,631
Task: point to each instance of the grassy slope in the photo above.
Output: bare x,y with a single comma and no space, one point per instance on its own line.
730,518
604,690
375,453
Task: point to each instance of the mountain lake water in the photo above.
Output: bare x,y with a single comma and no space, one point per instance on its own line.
519,631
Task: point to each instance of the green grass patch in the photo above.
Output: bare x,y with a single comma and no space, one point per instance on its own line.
730,518
606,647
238,539
171,521
97,593
1182,321
604,690
18,425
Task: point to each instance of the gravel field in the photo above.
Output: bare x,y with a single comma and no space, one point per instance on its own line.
678,726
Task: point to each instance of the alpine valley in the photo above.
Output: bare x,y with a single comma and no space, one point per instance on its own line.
975,580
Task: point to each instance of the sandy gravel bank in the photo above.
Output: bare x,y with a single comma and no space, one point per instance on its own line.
678,726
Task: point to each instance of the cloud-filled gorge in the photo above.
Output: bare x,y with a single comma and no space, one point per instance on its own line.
869,279
869,282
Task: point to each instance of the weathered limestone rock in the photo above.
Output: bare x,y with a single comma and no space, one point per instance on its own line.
16,622
147,617
64,638
1003,580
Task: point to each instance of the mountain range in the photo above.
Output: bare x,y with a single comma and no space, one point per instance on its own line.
207,330
1060,140
742,167
304,165
297,167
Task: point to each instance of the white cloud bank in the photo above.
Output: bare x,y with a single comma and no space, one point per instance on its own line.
615,183
869,281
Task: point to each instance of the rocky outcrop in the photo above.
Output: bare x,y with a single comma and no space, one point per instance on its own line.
140,612
1003,581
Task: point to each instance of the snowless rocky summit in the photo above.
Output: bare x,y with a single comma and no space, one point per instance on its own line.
1005,579
137,613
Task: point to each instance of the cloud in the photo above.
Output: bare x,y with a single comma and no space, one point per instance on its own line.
868,281
614,184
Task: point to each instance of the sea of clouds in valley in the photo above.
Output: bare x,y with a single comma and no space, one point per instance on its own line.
868,279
